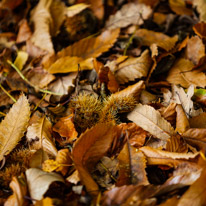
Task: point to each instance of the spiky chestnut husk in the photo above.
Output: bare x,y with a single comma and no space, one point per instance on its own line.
87,109
114,105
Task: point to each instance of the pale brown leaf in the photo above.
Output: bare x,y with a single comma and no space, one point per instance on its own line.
198,121
41,132
182,73
14,125
133,68
39,181
130,13
148,37
150,120
201,8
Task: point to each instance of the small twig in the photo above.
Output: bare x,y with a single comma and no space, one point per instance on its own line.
7,93
3,114
106,169
37,105
29,83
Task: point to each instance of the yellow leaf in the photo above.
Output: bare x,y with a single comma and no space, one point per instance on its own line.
81,52
21,59
76,9
50,165
42,130
150,120
14,125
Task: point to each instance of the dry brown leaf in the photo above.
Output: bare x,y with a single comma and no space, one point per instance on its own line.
38,182
97,7
42,22
195,195
45,202
130,13
195,50
81,52
74,177
198,121
76,9
150,120
182,73
179,7
182,123
65,127
19,188
132,166
196,133
91,146
38,158
10,4
41,132
14,125
200,29
148,37
24,32
201,8
133,68
176,144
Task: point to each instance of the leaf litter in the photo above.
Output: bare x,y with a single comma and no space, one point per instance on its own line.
102,103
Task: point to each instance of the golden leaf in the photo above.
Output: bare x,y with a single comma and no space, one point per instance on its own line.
14,125
50,165
81,52
21,59
150,120
179,7
130,13
76,9
42,130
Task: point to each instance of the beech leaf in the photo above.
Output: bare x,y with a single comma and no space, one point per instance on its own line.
150,120
14,125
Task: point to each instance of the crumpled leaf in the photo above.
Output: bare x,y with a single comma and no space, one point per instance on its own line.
148,37
81,53
14,125
41,132
182,73
133,68
90,147
150,120
130,13
19,188
38,182
65,127
195,49
200,29
24,32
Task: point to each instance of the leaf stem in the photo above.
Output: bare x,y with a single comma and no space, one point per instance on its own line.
7,93
29,83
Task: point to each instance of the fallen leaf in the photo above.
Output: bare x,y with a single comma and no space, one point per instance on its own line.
24,32
182,123
40,132
97,7
21,59
10,4
200,29
81,53
198,121
90,147
45,202
201,8
133,68
76,9
179,7
150,120
38,182
65,127
195,195
19,188
130,13
14,125
195,49
132,166
148,37
38,158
